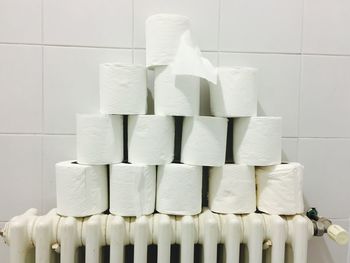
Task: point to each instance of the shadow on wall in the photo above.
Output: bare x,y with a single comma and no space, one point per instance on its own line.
284,156
261,111
324,250
204,98
150,91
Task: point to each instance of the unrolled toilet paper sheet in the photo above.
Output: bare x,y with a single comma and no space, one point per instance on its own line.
190,61
175,95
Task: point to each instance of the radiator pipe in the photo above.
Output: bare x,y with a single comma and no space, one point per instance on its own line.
323,226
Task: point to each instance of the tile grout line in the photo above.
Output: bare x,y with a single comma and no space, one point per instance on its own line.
328,138
219,33
302,27
42,109
42,22
133,31
300,77
64,46
204,50
300,88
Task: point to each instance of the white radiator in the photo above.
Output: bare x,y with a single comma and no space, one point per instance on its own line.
252,238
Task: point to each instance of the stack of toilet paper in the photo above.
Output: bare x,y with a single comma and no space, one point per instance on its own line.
126,158
256,153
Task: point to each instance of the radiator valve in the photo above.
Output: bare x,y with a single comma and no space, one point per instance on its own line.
323,225
56,247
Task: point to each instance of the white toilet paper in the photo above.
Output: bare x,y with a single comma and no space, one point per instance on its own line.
280,189
175,95
257,140
123,89
189,60
232,189
204,141
235,94
179,189
132,189
169,41
99,139
151,139
81,190
163,34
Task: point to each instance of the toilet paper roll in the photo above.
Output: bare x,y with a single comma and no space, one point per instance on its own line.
235,94
204,141
81,190
99,139
257,140
163,34
232,189
179,189
169,41
123,89
175,95
151,139
280,189
132,189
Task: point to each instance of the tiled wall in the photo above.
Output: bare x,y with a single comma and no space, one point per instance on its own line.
50,50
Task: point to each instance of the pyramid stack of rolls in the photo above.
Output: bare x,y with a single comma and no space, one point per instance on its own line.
132,163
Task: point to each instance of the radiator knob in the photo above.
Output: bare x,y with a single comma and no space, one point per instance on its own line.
338,234
56,247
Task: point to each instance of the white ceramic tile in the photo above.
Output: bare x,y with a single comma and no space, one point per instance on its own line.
278,81
4,249
326,27
325,94
212,57
106,23
289,149
261,26
20,162
56,148
20,88
204,17
326,178
325,250
71,83
140,57
20,21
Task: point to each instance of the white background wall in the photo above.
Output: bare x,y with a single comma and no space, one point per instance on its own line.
50,50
